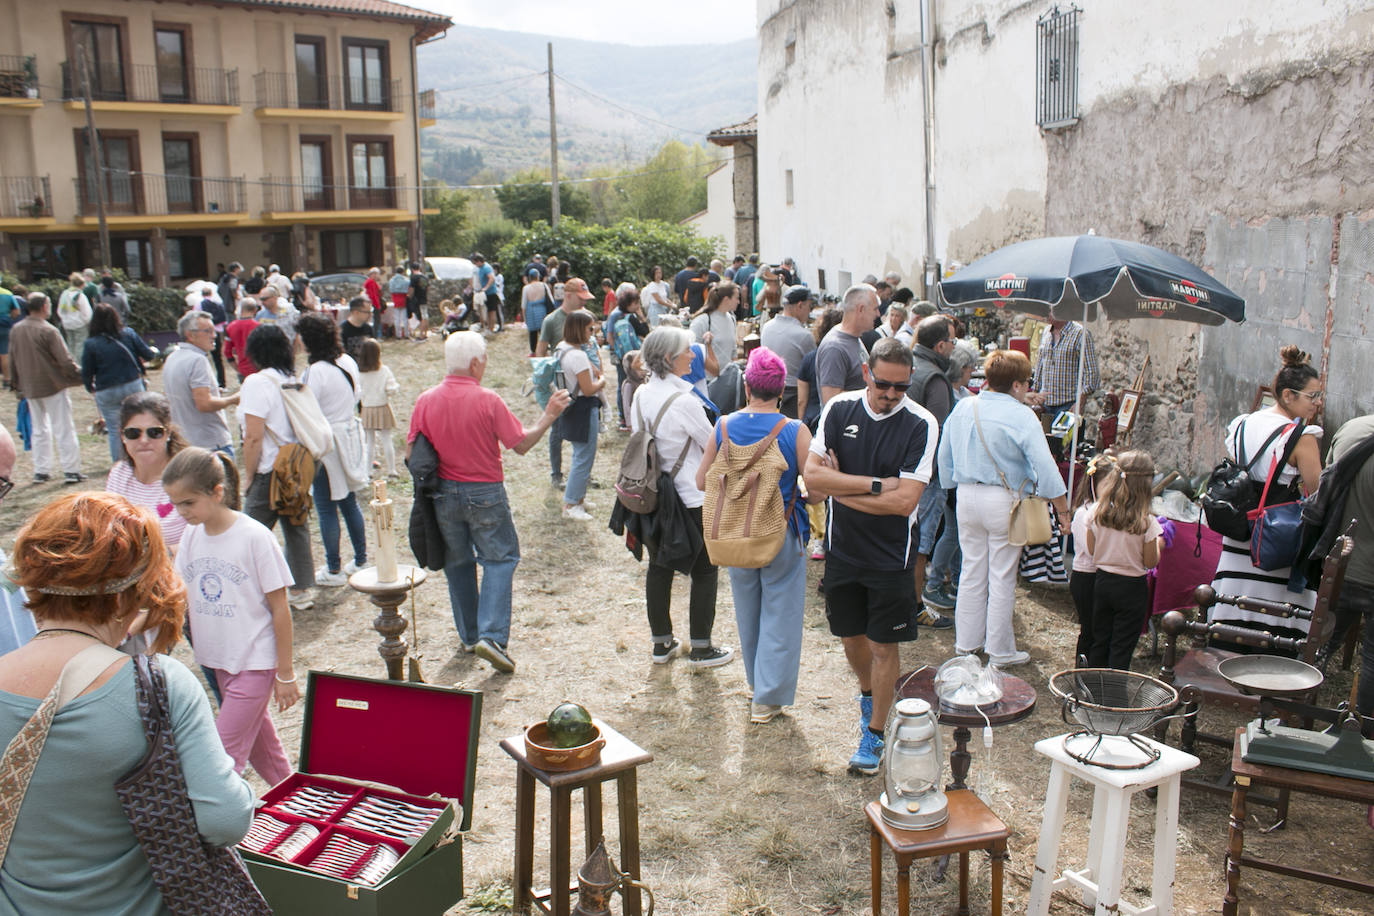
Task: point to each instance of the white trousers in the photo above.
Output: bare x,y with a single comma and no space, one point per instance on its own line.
381,446
987,579
52,419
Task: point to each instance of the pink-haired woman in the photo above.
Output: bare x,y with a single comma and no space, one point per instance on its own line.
769,602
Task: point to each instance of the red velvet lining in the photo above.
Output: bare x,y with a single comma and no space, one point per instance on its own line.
411,736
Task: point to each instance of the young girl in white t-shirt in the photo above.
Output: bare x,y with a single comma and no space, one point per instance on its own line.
236,580
1123,537
377,385
1083,578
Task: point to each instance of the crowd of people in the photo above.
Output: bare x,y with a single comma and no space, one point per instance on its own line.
894,467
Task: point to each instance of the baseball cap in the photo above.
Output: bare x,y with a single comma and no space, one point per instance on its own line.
798,294
576,287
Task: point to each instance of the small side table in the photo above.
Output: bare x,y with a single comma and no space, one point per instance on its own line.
1100,880
619,760
971,826
1321,784
1018,702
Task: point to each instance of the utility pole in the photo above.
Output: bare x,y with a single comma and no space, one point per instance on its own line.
553,143
97,159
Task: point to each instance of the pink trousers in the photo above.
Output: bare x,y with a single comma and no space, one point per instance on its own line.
245,725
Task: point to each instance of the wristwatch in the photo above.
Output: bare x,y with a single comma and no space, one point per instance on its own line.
876,487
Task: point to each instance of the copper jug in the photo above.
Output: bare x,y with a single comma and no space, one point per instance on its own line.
597,879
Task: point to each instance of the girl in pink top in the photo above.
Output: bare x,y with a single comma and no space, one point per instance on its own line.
1083,579
1123,538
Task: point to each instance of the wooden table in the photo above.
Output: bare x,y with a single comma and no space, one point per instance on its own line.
1018,702
619,759
970,826
1246,774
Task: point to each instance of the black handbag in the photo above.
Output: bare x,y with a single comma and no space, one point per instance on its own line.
1231,494
195,878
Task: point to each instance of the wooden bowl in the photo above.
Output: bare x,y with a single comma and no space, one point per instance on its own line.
541,753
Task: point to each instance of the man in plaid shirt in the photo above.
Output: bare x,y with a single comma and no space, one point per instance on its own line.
1056,369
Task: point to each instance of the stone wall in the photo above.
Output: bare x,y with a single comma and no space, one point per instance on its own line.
1261,180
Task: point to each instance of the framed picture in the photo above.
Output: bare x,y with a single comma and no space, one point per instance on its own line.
1264,398
1125,417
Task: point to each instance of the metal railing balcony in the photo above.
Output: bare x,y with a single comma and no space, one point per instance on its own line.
287,196
25,197
428,104
139,194
151,83
18,76
286,90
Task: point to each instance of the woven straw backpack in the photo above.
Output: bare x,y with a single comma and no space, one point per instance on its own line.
744,517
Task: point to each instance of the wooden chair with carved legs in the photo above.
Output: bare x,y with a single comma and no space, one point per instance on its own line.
1194,672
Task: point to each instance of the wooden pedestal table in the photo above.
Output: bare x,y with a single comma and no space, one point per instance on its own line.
1248,774
970,826
388,596
1018,702
619,760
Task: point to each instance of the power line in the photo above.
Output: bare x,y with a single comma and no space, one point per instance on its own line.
631,111
513,79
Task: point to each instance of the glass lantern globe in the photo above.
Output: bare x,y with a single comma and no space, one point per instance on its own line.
913,764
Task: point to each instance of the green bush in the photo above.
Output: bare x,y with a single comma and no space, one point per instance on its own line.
624,251
151,308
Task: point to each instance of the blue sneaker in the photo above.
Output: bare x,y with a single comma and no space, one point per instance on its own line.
869,756
865,713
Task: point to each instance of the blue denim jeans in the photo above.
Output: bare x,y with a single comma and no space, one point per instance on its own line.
929,511
944,562
476,523
328,510
107,401
583,457
769,606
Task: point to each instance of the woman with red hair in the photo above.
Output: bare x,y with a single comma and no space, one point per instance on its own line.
94,567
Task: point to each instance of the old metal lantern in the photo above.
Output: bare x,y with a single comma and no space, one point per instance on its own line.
912,768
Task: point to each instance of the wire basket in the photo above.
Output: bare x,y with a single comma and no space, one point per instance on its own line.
1108,701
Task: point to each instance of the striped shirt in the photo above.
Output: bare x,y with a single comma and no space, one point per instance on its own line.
150,496
1056,367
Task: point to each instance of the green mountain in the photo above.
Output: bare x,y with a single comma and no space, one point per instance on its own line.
616,104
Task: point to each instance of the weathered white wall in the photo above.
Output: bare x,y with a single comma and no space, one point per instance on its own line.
845,118
718,219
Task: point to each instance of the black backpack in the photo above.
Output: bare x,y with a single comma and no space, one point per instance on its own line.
1231,493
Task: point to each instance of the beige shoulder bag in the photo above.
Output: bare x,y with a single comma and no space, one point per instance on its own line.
1029,523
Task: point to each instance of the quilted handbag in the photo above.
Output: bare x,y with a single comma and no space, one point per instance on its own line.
195,878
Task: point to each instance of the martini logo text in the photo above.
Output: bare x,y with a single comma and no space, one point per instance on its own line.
1190,293
1005,285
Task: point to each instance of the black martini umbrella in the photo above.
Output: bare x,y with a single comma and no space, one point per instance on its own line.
1075,277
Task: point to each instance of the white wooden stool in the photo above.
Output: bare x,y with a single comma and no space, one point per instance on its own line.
1100,880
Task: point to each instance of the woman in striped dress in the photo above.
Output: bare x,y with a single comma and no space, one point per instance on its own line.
1297,390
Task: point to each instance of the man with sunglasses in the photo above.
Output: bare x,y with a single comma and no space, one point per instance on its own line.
188,378
872,456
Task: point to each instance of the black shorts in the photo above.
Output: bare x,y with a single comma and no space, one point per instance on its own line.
865,602
414,309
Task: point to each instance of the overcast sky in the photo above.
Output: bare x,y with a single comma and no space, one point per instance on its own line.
635,22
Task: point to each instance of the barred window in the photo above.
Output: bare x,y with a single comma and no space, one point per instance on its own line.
1056,68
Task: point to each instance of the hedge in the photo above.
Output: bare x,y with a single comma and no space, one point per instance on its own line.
151,308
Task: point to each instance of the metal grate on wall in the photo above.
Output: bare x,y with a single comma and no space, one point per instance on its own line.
1056,68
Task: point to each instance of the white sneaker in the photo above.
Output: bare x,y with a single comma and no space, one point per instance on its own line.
327,579
299,600
351,567
576,512
1009,661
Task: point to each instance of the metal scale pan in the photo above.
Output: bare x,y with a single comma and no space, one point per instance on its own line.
1280,682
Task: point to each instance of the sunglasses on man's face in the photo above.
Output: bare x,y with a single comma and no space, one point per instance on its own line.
899,387
154,432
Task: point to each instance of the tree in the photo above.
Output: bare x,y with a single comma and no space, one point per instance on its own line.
444,230
526,199
672,185
625,251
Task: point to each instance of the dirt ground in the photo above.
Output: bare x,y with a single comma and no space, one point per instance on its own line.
738,818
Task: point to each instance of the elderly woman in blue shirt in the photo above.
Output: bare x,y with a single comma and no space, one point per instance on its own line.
993,449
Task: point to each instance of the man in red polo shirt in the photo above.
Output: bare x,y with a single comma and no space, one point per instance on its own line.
467,425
